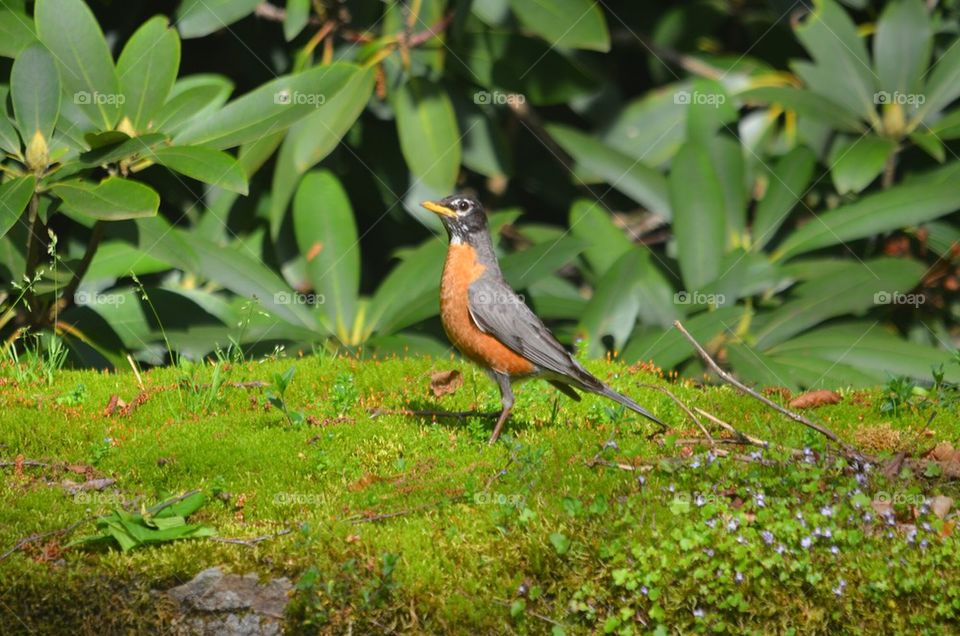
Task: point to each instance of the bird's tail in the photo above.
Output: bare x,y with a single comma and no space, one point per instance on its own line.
630,404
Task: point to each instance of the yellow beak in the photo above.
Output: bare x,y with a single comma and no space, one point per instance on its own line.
436,208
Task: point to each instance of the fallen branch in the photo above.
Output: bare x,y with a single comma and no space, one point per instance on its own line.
685,408
849,451
748,439
33,538
251,542
374,413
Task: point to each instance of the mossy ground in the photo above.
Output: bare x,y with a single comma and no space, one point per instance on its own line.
520,537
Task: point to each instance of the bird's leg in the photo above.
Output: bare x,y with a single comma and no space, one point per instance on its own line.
506,398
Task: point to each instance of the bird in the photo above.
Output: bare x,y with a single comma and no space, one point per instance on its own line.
491,325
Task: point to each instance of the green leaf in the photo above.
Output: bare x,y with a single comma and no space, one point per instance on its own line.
409,292
727,156
429,137
650,129
753,367
910,203
668,348
641,183
565,23
943,83
326,233
806,103
856,162
317,134
870,347
525,267
699,216
786,184
192,97
831,38
852,290
606,242
16,32
709,108
632,287
901,46
114,146
298,14
113,199
70,31
197,18
9,140
204,164
561,543
147,70
267,109
35,92
14,197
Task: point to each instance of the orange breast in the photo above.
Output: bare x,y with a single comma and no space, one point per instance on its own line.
460,269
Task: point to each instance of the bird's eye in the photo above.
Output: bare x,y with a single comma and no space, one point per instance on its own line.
464,206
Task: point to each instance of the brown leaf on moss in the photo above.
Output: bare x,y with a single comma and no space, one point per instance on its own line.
944,452
813,399
445,382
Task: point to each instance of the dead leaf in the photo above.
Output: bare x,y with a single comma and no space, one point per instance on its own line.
445,382
944,452
813,399
940,505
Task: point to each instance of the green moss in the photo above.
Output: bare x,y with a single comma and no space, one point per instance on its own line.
592,548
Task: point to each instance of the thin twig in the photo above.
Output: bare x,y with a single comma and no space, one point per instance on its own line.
796,417
136,372
251,542
749,439
26,462
33,538
683,406
458,414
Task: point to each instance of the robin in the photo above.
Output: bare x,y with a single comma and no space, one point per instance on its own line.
491,325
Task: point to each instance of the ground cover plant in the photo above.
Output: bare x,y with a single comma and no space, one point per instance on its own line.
577,522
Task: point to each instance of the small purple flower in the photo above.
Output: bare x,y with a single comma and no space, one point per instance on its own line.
759,500
826,511
755,455
710,458
738,577
695,463
612,444
700,500
698,613
840,587
912,536
767,537
711,523
925,526
671,488
806,542
709,552
741,540
861,478
644,590
924,544
890,534
780,549
733,524
826,533
816,531
834,549
891,519
867,517
641,480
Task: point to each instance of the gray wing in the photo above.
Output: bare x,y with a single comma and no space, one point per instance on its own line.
500,312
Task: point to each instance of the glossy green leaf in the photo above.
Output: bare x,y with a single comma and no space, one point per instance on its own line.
901,46
806,103
115,146
831,38
9,139
901,206
699,217
267,109
197,18
429,137
416,277
650,129
709,109
317,134
667,347
14,197
565,23
727,156
70,31
16,31
147,69
943,83
641,183
787,182
754,368
872,347
191,97
298,14
113,199
631,287
852,290
856,162
326,232
606,242
204,164
35,92
525,267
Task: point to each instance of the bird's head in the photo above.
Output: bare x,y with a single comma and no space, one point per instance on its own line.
462,215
